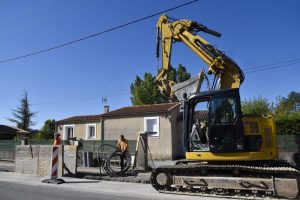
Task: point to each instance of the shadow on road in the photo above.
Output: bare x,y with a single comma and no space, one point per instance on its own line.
81,182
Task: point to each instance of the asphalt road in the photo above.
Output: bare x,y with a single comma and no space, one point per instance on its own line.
17,186
12,188
15,191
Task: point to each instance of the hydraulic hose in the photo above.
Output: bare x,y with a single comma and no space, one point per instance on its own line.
105,163
117,153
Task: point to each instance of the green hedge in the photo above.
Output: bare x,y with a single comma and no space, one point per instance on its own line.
288,124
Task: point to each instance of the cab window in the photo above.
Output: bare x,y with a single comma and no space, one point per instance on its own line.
223,111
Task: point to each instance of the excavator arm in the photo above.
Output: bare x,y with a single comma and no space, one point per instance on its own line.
227,73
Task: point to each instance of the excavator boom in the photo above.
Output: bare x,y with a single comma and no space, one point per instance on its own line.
226,71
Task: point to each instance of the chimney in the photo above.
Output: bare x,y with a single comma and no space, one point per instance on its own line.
106,109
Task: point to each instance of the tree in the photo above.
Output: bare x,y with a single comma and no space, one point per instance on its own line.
289,104
146,91
256,106
48,130
288,124
182,74
22,116
287,114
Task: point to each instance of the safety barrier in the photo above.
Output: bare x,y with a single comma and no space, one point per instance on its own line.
54,162
54,166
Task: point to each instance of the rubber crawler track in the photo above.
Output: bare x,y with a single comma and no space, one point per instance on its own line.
246,169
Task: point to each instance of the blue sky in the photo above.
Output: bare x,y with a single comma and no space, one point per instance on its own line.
72,80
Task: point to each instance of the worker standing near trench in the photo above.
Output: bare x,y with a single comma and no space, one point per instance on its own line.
57,140
124,147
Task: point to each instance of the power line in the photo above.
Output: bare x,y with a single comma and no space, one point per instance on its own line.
110,94
125,91
257,69
97,34
278,63
38,20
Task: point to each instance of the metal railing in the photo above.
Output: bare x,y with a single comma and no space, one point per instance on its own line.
7,149
286,143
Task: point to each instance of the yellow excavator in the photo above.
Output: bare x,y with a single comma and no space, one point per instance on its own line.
227,153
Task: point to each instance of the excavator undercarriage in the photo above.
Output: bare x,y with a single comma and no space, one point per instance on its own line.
228,179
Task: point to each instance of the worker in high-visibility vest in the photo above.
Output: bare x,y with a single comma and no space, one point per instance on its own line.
57,140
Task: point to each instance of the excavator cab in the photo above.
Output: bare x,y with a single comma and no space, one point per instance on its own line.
213,122
215,129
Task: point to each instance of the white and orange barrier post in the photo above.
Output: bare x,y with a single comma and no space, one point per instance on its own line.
54,166
54,162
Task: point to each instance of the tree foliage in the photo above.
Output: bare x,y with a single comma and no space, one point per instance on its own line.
145,91
182,74
286,112
256,106
288,105
48,130
23,116
288,124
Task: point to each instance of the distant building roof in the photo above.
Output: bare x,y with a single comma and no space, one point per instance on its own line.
4,129
125,111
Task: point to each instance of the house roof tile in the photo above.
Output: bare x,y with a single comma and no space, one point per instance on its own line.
80,119
125,111
143,109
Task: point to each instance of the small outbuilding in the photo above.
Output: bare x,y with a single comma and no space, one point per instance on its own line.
12,132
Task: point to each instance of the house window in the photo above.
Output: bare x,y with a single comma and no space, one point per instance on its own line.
91,131
68,132
151,126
